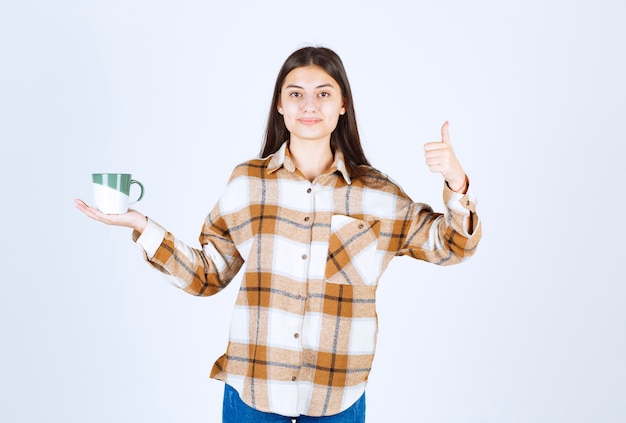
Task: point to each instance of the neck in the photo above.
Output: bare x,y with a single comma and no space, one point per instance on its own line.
311,158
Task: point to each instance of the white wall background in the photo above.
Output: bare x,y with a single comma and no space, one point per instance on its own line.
532,329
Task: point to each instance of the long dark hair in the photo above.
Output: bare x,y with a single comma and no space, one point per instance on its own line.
345,137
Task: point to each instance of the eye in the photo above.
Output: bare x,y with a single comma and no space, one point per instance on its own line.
324,94
295,94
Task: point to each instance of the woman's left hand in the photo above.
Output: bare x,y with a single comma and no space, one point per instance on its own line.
440,158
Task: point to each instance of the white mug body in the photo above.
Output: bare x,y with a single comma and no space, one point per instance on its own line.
109,200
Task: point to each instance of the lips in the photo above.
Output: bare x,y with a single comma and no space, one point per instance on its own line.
309,121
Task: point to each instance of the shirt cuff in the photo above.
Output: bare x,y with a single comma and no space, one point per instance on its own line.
463,203
151,238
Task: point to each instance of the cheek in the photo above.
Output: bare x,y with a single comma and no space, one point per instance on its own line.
333,114
286,109
288,118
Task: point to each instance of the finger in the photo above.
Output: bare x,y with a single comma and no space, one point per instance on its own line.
437,145
89,211
81,205
445,135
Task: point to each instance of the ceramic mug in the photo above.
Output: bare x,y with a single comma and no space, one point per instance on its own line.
111,192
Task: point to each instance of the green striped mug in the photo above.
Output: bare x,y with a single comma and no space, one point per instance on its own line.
111,192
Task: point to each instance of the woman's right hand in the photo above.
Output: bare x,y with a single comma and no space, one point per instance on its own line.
131,219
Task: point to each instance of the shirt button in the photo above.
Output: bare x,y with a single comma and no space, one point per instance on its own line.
296,335
306,219
304,256
293,378
299,296
308,191
360,226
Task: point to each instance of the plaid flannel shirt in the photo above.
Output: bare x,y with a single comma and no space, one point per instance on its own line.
304,326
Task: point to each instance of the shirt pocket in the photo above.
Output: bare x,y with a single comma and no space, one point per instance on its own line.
352,257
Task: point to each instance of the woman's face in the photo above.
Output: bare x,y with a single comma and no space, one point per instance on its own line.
311,103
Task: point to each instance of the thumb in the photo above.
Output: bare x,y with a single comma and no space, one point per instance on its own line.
445,135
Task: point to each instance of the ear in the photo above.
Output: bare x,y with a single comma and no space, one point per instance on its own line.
342,111
279,107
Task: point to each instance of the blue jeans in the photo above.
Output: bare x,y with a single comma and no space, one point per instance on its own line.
236,411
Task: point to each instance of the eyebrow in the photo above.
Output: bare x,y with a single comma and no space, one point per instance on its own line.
327,85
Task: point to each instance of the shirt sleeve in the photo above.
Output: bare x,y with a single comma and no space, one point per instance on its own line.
443,238
199,271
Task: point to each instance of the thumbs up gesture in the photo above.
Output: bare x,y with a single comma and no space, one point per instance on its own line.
440,158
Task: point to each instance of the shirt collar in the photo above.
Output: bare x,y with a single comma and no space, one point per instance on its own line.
282,158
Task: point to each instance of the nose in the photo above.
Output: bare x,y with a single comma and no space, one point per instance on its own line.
308,105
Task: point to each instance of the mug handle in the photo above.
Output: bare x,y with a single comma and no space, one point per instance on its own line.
132,181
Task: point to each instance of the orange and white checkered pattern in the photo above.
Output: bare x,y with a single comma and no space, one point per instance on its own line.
303,330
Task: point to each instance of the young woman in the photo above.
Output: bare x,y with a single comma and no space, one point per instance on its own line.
316,226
